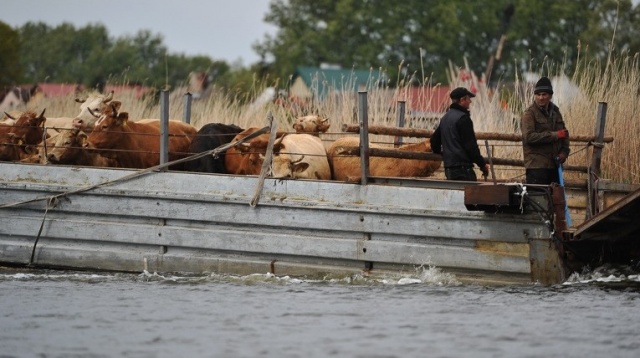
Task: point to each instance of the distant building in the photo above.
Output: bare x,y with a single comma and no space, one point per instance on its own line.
309,82
12,99
424,102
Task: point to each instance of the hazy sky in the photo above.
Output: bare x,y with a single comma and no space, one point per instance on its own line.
221,29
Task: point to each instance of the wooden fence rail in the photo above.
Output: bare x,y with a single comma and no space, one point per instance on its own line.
427,133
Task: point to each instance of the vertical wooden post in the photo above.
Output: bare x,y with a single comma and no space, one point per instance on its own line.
400,122
164,128
363,119
186,117
596,159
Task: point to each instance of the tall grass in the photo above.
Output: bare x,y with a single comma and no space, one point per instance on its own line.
497,109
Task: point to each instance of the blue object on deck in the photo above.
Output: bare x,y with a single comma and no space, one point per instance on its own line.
567,216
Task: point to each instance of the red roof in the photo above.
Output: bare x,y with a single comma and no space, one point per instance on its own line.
137,90
58,89
424,100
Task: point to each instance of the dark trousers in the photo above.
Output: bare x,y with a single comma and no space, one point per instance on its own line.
542,176
460,173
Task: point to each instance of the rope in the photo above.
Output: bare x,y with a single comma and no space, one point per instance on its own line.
51,203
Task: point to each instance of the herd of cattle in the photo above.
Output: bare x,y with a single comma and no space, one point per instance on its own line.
103,136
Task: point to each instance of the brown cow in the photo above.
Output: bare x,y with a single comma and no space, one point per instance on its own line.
311,124
245,158
132,144
347,167
18,140
11,147
85,119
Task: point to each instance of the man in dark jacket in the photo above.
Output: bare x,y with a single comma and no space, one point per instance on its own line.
456,140
545,139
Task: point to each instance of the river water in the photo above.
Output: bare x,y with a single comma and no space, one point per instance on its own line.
46,313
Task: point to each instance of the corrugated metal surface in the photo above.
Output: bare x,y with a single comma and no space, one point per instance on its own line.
200,223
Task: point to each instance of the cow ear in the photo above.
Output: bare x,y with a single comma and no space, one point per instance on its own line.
123,117
277,147
323,126
300,167
116,105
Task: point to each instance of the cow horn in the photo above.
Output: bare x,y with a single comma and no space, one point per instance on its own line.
324,120
108,98
299,160
42,114
10,116
115,110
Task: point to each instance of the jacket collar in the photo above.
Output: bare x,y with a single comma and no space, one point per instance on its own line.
458,107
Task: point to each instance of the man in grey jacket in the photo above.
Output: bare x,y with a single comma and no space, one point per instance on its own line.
545,139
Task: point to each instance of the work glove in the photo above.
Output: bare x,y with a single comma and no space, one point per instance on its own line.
563,133
562,158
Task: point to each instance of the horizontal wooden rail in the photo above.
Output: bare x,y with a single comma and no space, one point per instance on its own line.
426,133
403,154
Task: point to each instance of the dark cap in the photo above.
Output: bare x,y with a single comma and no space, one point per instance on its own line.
543,85
460,92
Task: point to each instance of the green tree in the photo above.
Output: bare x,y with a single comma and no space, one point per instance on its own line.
88,56
11,71
418,38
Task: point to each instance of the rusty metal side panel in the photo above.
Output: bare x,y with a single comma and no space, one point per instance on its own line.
546,264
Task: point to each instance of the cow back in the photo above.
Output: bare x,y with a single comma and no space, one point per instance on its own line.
347,167
137,145
211,136
301,156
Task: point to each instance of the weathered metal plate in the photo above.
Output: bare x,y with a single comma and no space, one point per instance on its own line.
172,221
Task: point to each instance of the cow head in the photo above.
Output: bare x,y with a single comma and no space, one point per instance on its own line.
30,127
90,110
109,129
10,146
284,166
311,124
244,158
67,147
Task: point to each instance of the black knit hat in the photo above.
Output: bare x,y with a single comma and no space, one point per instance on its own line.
543,85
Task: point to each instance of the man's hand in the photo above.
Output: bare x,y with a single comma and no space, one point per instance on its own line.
485,170
562,158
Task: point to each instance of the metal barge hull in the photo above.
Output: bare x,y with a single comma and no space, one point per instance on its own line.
200,223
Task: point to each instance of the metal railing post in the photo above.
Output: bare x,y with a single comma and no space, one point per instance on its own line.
186,118
164,128
363,119
596,159
400,122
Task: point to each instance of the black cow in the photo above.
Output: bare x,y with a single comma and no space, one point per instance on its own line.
211,136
